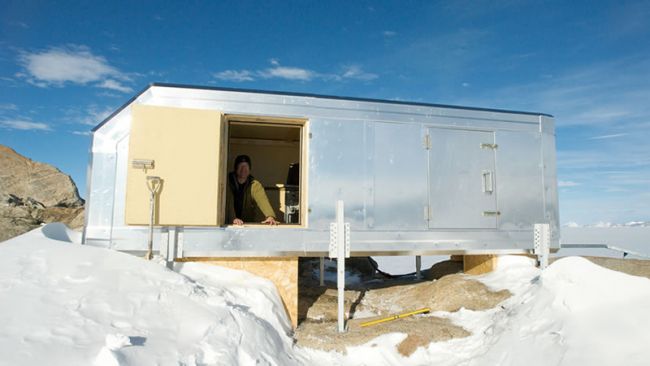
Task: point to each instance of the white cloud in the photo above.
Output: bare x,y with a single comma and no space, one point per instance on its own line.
82,133
604,137
567,183
8,106
90,115
20,24
453,54
114,85
94,115
24,125
278,71
613,93
389,33
234,75
72,64
289,73
355,72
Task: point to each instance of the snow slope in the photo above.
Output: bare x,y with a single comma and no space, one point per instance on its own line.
66,304
573,313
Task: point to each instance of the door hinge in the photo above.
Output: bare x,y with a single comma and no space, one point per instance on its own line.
486,145
427,142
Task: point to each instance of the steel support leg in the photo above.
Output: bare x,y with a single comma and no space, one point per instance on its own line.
340,265
321,275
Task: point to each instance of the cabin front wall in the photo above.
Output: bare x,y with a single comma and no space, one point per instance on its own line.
373,156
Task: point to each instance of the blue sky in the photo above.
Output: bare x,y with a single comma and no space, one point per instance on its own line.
64,66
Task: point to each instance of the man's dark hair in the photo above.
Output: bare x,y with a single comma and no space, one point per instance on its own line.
243,159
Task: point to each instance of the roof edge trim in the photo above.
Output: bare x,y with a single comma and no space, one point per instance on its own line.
310,95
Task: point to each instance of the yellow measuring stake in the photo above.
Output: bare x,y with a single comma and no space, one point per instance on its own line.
394,317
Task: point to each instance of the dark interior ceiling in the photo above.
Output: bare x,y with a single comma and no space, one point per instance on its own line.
264,132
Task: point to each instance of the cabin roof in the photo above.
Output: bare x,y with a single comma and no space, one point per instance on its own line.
322,96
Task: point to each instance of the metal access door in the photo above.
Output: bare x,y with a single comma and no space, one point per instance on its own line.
462,181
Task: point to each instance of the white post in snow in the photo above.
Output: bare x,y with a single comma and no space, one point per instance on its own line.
340,249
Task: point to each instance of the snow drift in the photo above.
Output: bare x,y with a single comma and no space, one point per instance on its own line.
67,304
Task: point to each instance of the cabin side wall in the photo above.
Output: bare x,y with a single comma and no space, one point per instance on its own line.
371,155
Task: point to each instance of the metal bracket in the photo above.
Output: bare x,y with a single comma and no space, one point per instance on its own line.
172,248
542,243
340,249
179,241
144,164
347,240
491,213
489,146
333,247
426,143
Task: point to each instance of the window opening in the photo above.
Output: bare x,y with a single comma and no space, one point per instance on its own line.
273,152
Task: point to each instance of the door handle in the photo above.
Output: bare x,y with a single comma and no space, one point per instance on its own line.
487,182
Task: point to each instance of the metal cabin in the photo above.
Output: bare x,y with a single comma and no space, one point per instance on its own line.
416,178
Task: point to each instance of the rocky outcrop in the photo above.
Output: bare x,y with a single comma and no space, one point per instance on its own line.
33,193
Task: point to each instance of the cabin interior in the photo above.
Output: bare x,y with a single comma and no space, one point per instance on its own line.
275,150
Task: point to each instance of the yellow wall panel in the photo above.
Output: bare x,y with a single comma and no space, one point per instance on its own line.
185,146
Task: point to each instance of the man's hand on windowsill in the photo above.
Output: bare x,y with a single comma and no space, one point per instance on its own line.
270,221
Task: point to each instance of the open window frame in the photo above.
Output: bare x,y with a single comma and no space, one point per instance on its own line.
255,120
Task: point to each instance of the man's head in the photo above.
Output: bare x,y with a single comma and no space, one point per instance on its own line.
243,166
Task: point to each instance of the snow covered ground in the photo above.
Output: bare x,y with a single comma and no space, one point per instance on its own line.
66,304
